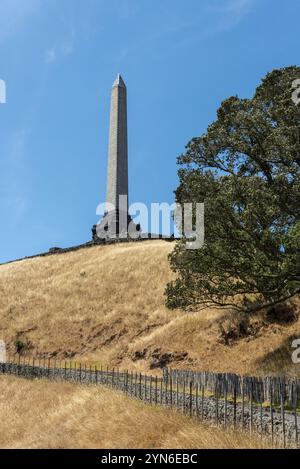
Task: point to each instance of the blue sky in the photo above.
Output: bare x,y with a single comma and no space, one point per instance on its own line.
59,58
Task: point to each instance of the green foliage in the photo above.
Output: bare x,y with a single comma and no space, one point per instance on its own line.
245,169
21,346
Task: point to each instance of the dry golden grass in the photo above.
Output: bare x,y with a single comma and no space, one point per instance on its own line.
104,304
42,414
91,302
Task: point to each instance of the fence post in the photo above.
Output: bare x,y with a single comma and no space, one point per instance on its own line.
121,380
166,390
282,400
140,386
225,402
191,397
145,387
171,391
155,390
151,390
80,374
295,413
121,377
96,375
145,380
261,411
183,397
243,403
216,402
234,405
118,378
197,406
202,402
271,412
251,407
161,391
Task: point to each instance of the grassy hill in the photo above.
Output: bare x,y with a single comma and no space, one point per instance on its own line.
105,305
65,415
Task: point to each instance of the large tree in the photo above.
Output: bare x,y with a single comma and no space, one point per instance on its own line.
246,170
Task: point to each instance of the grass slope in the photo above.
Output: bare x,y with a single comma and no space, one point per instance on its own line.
106,304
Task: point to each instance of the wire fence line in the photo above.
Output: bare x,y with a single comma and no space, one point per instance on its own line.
222,399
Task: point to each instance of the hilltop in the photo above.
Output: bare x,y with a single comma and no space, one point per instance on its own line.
106,305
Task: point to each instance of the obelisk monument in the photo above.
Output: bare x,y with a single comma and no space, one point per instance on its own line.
116,222
117,170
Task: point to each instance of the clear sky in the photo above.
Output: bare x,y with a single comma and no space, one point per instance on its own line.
59,58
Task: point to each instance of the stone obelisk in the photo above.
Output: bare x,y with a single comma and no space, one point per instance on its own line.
116,222
117,170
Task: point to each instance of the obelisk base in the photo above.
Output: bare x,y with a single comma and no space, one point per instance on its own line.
116,225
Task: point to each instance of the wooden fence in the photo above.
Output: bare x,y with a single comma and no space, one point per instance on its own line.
276,394
268,406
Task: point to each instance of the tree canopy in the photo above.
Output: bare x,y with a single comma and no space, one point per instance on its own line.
246,170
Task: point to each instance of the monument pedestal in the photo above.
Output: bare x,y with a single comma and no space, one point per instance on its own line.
116,225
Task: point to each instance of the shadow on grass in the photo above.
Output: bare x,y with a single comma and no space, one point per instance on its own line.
279,360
